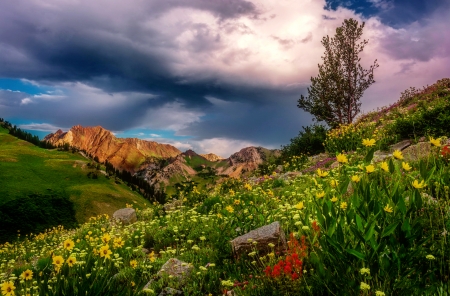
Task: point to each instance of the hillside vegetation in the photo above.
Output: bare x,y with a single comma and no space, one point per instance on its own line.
29,176
358,222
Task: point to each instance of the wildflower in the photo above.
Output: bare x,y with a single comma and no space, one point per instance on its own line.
58,261
388,209
418,185
397,154
364,271
364,286
379,293
8,288
305,227
334,183
384,166
430,257
118,242
356,178
69,244
237,201
370,169
229,209
248,186
202,238
27,275
231,192
320,194
435,142
368,142
299,206
105,252
271,245
71,261
133,284
151,256
343,205
133,263
106,238
406,166
321,173
341,158
334,199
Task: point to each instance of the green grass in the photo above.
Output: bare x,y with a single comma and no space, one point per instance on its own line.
26,169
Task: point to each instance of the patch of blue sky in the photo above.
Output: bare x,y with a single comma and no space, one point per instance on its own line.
23,85
150,134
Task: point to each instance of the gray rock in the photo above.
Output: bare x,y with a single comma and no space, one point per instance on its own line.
173,205
145,251
400,146
416,152
126,215
272,233
380,156
334,165
176,268
170,291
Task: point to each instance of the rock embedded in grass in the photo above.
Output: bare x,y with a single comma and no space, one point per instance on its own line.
126,216
400,146
263,236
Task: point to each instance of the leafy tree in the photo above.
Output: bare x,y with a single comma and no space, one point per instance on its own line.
335,93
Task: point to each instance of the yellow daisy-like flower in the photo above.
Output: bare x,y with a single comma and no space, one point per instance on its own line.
356,178
69,244
343,205
321,173
334,199
320,194
334,183
299,206
133,284
58,261
384,166
118,242
418,185
406,166
106,238
237,201
248,186
397,154
229,209
341,158
370,169
133,263
71,261
27,275
8,288
388,209
152,257
435,142
368,142
105,252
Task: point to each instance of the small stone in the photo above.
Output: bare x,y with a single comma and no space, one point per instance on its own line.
126,215
176,268
170,291
400,146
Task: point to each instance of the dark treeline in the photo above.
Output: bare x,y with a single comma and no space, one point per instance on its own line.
26,136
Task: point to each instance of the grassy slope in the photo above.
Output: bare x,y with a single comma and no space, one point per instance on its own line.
27,169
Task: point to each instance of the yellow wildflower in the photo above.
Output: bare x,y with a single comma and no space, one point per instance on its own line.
69,244
397,154
8,288
229,209
341,158
106,238
356,178
370,169
406,166
118,242
344,205
105,252
368,142
248,186
435,142
237,201
418,185
384,166
27,275
299,206
71,261
151,256
388,209
334,183
133,263
334,199
321,173
320,194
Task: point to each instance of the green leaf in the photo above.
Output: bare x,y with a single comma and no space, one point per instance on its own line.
359,223
356,254
390,229
357,233
369,156
391,166
343,187
417,199
369,231
429,174
401,205
332,227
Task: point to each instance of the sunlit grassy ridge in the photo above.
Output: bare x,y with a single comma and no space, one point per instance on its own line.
26,170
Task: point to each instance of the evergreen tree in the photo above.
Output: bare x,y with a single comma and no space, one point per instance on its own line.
334,95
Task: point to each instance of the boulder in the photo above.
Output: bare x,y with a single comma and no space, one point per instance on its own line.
334,165
176,268
380,156
272,233
400,146
126,216
416,152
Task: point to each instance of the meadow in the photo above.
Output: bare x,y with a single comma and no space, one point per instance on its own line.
361,226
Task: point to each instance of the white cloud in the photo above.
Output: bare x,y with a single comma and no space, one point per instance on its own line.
46,127
26,101
155,136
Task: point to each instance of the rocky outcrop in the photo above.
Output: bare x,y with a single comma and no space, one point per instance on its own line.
212,157
260,239
126,216
130,154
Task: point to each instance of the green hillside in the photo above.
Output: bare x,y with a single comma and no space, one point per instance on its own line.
27,170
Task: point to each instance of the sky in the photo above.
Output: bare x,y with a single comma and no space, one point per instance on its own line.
208,75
